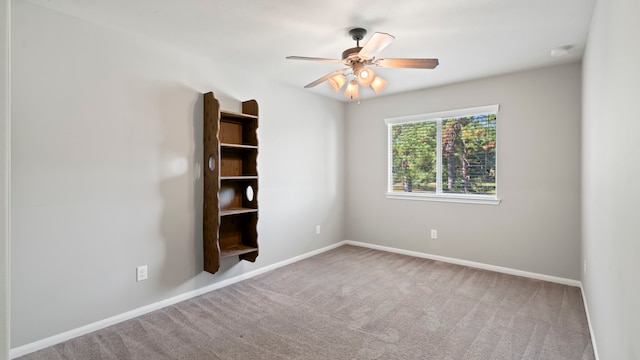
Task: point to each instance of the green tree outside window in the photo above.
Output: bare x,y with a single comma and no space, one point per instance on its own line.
461,151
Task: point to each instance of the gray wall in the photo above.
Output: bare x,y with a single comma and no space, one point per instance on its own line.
106,170
535,228
611,244
4,179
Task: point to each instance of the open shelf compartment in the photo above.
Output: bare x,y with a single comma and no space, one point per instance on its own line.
238,130
239,236
238,162
238,197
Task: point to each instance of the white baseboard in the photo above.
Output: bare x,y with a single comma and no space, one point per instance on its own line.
586,310
468,263
68,335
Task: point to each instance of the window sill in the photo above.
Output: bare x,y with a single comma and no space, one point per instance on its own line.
465,199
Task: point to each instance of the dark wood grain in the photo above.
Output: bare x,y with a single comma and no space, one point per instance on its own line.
210,213
230,219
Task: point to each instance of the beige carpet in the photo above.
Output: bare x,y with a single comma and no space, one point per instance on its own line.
355,303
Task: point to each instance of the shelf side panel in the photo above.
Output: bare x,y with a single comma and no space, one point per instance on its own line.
251,238
211,158
250,107
251,132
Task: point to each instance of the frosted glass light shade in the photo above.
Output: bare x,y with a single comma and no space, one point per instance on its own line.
337,81
378,84
366,77
352,90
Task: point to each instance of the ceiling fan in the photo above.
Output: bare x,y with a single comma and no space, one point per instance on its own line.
358,58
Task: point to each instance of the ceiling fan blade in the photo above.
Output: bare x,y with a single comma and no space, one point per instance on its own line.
325,78
377,42
313,59
407,63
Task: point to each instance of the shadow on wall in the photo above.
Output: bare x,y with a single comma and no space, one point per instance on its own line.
179,178
181,112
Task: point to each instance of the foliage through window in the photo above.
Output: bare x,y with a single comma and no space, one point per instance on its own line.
451,153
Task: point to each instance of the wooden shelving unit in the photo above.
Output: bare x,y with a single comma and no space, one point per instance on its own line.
230,183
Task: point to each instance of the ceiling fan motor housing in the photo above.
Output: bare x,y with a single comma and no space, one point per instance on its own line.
351,55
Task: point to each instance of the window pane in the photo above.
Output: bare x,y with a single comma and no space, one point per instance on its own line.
414,157
469,155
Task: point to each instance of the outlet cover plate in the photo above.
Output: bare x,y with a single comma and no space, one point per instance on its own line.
141,273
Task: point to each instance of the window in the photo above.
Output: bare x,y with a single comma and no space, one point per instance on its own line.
444,156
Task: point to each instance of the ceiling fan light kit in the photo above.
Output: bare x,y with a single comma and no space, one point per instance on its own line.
365,76
378,84
337,82
358,58
352,91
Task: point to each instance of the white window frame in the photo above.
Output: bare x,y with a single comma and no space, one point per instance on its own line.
439,195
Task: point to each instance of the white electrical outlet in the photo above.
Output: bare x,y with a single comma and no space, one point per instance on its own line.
434,233
585,266
318,229
141,273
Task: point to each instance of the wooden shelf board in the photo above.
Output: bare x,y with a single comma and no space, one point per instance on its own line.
237,115
246,177
236,211
236,251
238,146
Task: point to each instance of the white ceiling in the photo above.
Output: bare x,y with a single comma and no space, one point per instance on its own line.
471,38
